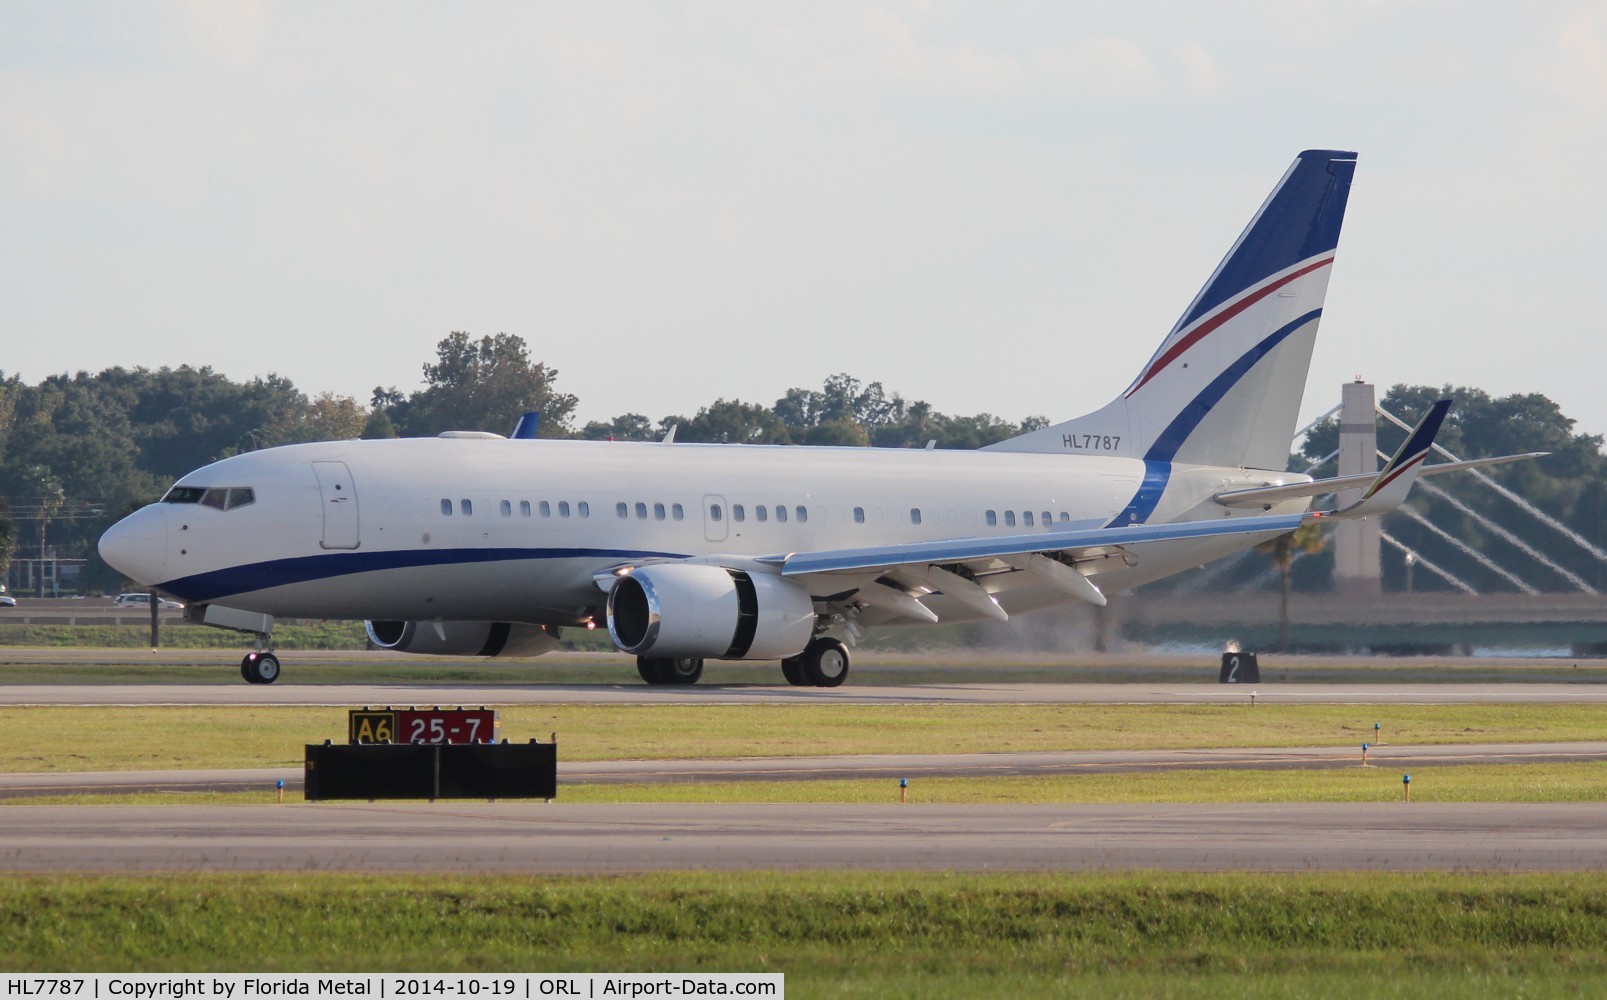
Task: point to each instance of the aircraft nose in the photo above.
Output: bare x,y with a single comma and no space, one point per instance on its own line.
136,546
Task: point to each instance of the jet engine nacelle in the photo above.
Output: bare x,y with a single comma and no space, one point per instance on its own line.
463,638
684,610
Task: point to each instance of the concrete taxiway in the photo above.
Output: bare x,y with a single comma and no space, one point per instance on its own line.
560,838
752,694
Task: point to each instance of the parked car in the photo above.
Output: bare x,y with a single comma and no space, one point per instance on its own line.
143,601
7,601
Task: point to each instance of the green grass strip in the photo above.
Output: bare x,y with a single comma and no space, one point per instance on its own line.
163,737
1474,783
855,934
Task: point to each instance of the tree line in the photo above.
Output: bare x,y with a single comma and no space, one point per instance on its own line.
78,451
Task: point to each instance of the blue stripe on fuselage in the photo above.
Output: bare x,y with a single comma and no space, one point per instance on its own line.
219,584
1158,460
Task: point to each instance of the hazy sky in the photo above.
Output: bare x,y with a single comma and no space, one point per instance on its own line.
997,207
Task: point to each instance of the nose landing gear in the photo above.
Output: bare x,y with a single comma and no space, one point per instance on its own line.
259,667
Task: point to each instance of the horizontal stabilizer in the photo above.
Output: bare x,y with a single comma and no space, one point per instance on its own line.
1266,496
1394,481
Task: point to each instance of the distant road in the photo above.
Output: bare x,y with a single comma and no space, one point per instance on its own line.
287,693
82,611
480,837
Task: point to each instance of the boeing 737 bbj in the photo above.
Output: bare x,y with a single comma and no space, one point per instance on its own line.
478,545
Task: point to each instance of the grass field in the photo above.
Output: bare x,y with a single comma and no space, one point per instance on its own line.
1473,783
854,934
166,737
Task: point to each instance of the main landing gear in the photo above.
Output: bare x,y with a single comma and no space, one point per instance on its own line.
823,663
664,670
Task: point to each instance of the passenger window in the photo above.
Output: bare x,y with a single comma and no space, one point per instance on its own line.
781,513
760,513
446,507
546,509
658,512
915,515
623,509
1009,519
563,508
1026,518
677,512
216,499
802,512
714,512
1048,520
585,509
641,511
739,512
507,508
466,508
1065,518
524,508
993,519
859,515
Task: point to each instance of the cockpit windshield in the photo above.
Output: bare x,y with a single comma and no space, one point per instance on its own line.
216,497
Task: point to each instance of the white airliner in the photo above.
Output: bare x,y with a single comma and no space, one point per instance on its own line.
478,545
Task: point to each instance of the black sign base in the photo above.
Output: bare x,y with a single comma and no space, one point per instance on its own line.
432,771
1239,668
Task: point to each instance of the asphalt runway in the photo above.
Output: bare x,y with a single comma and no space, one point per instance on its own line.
857,766
751,694
561,838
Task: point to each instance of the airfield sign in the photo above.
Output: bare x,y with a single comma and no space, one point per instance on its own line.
422,725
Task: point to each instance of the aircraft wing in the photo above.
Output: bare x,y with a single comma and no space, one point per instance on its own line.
892,577
961,550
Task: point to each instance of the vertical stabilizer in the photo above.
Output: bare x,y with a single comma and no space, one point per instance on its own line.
1224,387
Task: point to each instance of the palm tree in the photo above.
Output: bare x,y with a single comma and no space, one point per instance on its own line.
1307,538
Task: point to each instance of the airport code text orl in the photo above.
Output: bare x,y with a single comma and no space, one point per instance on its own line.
250,986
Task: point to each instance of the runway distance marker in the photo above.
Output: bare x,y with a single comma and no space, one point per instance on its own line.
422,725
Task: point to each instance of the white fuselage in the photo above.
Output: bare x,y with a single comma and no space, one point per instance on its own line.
517,530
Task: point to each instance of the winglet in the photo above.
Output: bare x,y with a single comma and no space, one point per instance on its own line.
1395,479
525,429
